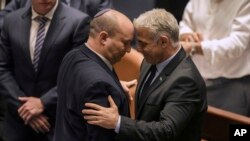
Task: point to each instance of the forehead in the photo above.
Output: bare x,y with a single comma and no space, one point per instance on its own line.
143,34
126,32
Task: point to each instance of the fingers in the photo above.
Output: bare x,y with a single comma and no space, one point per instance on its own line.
130,97
43,125
93,106
33,126
111,102
45,121
124,86
23,99
40,124
196,37
25,113
200,36
21,110
90,118
131,83
27,119
91,112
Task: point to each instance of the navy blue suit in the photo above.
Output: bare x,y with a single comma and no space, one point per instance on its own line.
84,77
17,75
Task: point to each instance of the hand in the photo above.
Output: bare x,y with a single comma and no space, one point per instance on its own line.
126,85
101,116
191,37
40,124
32,107
188,47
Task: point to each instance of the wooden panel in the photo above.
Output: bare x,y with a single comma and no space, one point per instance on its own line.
129,69
217,121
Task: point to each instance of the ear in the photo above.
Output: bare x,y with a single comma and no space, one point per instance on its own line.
164,41
103,36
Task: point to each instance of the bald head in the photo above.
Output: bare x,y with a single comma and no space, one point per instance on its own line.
109,20
111,34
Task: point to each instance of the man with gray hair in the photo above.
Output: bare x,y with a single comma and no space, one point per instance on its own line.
170,96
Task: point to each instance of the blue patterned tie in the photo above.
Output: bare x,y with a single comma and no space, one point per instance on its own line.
39,40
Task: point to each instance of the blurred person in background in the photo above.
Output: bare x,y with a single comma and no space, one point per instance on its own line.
33,43
216,33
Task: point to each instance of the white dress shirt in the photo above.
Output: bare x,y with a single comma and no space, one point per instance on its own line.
35,25
225,26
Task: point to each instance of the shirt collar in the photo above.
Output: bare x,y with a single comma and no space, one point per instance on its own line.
49,15
103,58
163,64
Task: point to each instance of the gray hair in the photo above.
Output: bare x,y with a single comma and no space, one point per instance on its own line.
159,22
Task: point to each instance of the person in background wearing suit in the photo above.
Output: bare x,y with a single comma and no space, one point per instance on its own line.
217,35
30,55
87,75
170,95
91,7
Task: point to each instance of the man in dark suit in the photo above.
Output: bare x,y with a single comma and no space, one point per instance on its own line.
91,7
86,75
33,43
172,106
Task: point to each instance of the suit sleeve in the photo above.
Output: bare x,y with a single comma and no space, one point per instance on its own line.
49,100
180,105
11,6
9,88
98,93
80,36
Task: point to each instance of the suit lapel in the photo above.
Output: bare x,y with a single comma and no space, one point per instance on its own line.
162,77
143,74
56,26
25,25
97,59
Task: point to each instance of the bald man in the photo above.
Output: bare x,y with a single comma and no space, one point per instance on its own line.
86,75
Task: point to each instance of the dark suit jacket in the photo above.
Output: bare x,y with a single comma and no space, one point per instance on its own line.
84,77
172,108
91,7
17,75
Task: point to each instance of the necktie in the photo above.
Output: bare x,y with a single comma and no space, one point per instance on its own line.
150,77
39,40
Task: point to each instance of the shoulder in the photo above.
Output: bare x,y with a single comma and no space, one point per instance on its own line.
69,11
19,12
15,16
85,67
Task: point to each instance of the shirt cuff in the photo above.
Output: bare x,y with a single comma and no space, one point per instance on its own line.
117,127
